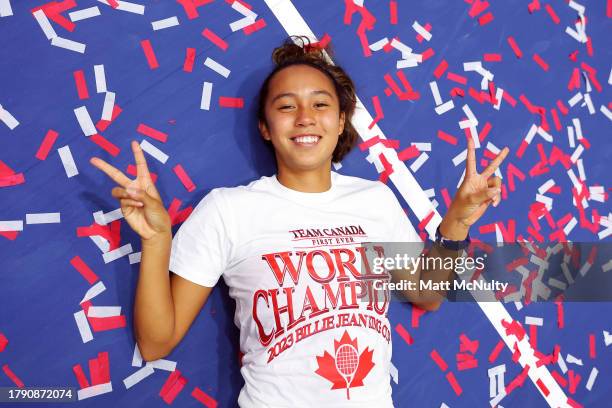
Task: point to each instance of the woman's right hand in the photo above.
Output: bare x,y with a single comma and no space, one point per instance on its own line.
140,202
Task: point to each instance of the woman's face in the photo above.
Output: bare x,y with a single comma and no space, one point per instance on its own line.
303,118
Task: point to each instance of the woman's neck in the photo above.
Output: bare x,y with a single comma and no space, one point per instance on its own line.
311,181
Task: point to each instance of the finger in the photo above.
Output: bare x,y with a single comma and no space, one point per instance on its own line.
495,163
144,196
119,193
477,214
485,195
128,202
470,165
142,170
111,171
494,182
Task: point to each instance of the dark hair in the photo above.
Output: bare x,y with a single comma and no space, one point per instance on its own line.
312,55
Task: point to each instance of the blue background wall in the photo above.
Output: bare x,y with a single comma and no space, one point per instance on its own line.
40,290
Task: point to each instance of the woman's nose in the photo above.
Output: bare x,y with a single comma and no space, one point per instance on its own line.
305,117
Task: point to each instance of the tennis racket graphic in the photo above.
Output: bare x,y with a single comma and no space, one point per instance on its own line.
347,361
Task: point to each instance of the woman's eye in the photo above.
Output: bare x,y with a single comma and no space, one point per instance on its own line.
321,104
285,107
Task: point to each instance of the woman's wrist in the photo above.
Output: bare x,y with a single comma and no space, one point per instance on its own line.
453,229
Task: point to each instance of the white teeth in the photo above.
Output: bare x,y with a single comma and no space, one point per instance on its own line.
307,139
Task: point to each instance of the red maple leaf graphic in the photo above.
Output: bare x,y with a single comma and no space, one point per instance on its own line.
344,369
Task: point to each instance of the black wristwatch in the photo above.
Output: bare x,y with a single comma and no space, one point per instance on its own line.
452,245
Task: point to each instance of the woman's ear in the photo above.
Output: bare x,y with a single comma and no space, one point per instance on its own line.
341,124
263,129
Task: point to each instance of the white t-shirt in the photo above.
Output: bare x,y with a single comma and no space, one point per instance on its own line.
293,264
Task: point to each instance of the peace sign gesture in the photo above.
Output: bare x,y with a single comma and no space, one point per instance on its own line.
477,191
140,201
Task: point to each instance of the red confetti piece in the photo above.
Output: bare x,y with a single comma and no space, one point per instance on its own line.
189,60
552,14
408,153
438,360
191,7
478,7
79,79
508,98
452,380
574,380
447,138
404,334
215,39
427,28
518,381
105,144
496,350
515,48
456,78
177,216
227,102
106,323
3,342
533,336
592,351
185,179
440,69
562,108
542,387
540,62
84,270
485,131
427,54
152,133
379,112
485,19
149,54
417,312
492,57
393,12
46,145
446,197
10,374
559,378
80,376
423,224
204,398
172,387
467,344
102,124
256,26
573,403
408,94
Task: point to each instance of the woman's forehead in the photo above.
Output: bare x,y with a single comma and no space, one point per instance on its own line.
299,79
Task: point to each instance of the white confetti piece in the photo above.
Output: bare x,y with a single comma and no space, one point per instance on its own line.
518,305
45,25
94,291
138,376
94,390
162,364
535,321
243,22
394,373
165,23
421,30
68,44
570,226
68,161
603,109
460,158
242,9
43,218
103,311
445,107
100,78
378,45
575,99
592,377
102,244
423,147
83,14
109,103
154,151
416,165
5,8
607,267
87,125
13,225
215,66
573,360
337,166
134,257
8,119
103,218
545,135
499,93
589,103
607,338
137,357
433,85
83,326
546,186
206,95
555,283
129,7
115,254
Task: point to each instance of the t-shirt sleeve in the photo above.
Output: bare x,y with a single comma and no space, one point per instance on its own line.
201,246
402,229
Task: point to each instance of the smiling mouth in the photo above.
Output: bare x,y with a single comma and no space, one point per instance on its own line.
308,140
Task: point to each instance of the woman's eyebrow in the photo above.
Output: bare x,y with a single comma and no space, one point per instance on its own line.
317,92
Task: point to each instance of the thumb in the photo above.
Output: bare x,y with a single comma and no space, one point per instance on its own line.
144,196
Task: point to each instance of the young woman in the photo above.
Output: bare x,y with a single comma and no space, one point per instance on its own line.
288,247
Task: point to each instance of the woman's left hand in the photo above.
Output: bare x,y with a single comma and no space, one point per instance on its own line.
476,192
